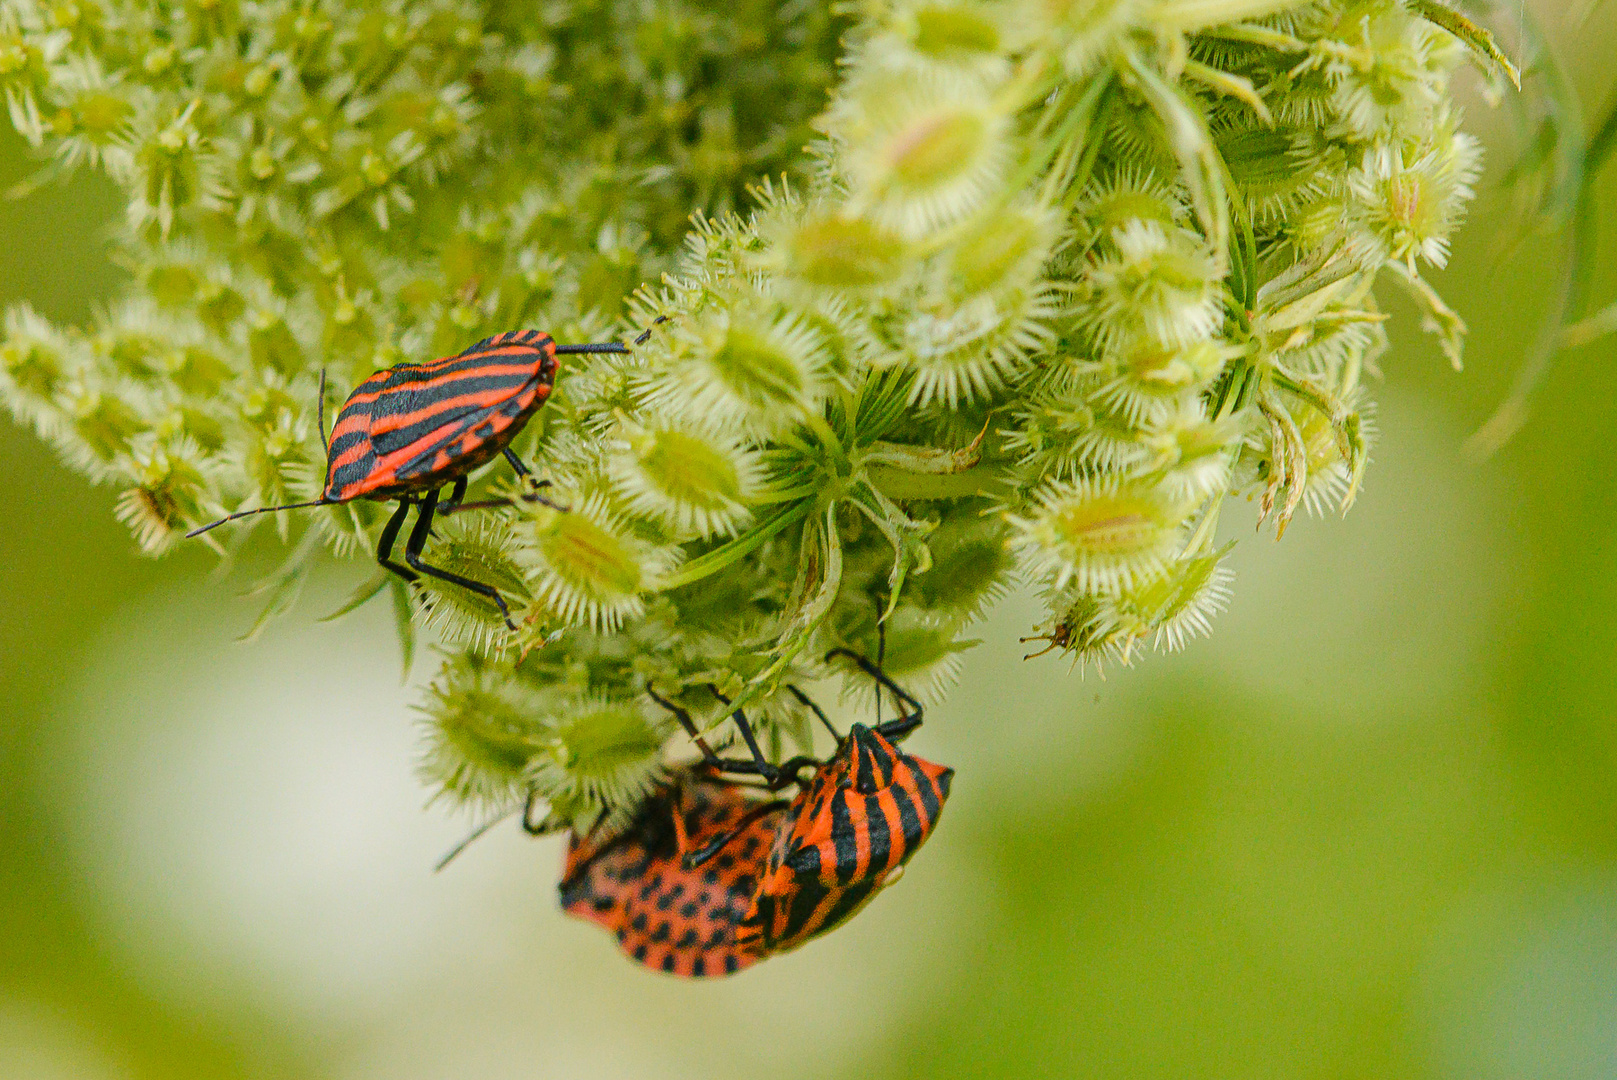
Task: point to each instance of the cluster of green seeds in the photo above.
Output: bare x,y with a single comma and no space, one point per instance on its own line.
1031,294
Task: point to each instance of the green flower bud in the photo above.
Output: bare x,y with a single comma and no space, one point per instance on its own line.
165,503
35,364
103,423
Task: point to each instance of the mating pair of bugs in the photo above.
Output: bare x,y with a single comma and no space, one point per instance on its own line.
410,430
707,879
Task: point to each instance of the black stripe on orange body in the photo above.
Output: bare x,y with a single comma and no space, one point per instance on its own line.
865,813
665,916
416,427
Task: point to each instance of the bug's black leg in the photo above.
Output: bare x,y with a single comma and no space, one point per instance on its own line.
881,661
325,442
904,724
516,463
527,474
806,700
390,533
691,860
457,495
544,826
768,771
418,541
729,765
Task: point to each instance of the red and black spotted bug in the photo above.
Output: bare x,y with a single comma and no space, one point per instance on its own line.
407,431
640,884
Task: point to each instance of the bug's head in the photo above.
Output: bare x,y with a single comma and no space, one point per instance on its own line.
872,759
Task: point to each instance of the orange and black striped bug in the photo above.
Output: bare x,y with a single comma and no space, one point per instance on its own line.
407,431
849,832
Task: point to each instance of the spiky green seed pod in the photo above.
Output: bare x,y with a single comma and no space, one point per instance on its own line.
1159,283
832,251
922,150
755,368
483,731
1412,208
1101,535
597,752
586,566
694,481
1163,612
479,549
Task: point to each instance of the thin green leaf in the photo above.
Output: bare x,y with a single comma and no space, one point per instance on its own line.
911,554
743,545
283,585
283,594
1188,15
404,622
1236,86
804,625
1200,165
1593,328
361,596
1476,38
882,398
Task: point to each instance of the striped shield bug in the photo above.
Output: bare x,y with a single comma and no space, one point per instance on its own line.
640,884
849,831
409,430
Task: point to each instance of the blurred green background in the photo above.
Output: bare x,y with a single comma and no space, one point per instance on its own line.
1369,829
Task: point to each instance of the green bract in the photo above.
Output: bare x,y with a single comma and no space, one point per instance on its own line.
1058,280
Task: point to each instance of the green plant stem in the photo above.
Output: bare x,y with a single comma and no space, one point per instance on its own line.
980,481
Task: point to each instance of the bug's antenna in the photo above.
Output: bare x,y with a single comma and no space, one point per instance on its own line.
881,655
808,701
612,346
477,832
260,510
325,444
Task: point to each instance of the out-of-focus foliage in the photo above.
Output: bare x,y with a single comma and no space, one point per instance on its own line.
1057,281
